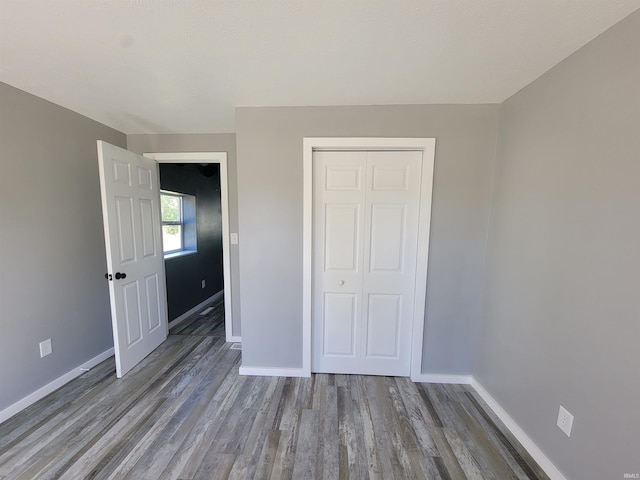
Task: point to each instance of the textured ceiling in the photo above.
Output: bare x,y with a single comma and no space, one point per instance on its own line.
168,66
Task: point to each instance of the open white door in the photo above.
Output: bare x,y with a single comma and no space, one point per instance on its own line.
130,191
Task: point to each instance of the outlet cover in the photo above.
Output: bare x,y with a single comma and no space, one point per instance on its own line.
45,348
565,421
203,283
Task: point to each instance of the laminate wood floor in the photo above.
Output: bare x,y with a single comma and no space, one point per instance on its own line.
211,324
185,413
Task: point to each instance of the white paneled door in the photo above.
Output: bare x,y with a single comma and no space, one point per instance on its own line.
135,263
365,234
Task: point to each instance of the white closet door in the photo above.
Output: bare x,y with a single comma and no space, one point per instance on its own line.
366,212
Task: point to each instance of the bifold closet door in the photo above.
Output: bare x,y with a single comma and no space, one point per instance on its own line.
366,214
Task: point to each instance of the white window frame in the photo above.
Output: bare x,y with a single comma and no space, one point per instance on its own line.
180,221
188,224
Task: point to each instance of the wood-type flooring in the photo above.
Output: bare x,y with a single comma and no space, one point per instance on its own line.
211,324
185,413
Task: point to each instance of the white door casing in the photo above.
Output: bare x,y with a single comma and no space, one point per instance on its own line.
221,159
366,212
130,193
426,146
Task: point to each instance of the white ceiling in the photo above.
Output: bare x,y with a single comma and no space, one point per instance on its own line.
169,66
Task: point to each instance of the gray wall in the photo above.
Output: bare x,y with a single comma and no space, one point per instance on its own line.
185,273
52,255
214,142
270,197
562,314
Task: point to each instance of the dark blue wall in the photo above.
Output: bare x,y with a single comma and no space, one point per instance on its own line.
185,274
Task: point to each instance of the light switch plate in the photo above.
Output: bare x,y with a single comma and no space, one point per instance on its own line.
234,239
45,348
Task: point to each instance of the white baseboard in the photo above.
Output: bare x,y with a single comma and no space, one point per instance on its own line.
538,455
441,378
195,309
32,398
234,339
272,371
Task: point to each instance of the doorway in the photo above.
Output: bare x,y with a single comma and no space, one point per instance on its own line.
205,160
369,327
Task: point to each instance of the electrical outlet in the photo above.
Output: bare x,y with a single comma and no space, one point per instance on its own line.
203,283
45,348
565,421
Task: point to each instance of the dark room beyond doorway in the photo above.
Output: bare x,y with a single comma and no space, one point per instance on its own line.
195,276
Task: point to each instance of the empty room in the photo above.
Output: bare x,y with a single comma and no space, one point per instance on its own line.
300,239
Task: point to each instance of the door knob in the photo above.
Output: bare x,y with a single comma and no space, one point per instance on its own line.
120,275
108,276
341,282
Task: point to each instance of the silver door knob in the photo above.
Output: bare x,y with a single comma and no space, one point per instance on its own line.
341,282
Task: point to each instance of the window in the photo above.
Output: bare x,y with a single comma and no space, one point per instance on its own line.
171,206
178,223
